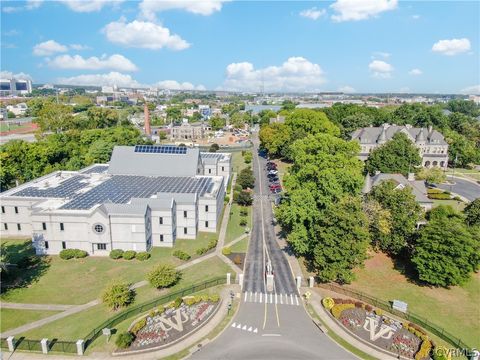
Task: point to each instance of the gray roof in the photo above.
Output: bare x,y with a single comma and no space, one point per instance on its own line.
124,209
163,203
125,161
372,135
180,198
418,187
213,158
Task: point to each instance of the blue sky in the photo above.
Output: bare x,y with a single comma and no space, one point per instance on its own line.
349,45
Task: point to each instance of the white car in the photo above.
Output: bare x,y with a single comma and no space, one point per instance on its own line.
273,172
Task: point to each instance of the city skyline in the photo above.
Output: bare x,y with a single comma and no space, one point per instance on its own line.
348,46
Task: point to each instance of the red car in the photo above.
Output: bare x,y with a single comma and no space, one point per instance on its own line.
275,186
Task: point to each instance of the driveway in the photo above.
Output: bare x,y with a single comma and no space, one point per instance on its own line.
465,188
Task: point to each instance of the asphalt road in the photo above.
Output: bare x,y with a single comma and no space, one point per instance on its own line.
270,325
465,188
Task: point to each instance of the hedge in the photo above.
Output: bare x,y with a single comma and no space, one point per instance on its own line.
68,254
129,254
142,256
182,255
116,254
439,196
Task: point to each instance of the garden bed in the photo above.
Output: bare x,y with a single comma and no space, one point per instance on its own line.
238,258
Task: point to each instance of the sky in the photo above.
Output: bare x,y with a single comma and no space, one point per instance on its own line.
278,46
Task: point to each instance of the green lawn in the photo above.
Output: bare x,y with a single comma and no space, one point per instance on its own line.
78,325
457,205
5,127
469,173
234,230
455,309
12,318
78,281
241,246
237,161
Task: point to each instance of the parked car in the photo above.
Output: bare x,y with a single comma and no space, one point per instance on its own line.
275,186
276,191
273,172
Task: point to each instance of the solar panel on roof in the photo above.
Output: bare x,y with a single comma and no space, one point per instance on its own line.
163,149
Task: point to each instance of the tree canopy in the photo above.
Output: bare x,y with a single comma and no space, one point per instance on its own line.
472,213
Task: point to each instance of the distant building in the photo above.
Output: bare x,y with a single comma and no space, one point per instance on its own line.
418,187
189,131
18,109
278,119
431,144
13,87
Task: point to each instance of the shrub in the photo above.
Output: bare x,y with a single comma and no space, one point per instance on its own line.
237,260
124,340
189,301
358,304
243,198
116,254
243,221
182,255
117,295
163,276
129,254
161,309
178,301
247,158
142,256
434,191
226,198
214,298
379,312
368,308
139,325
67,254
439,196
226,251
243,212
424,352
237,188
212,244
328,303
457,198
201,251
339,308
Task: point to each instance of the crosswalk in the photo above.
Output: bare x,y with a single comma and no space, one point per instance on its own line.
271,298
245,328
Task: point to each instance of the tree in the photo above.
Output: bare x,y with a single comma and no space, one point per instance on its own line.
246,179
217,123
432,175
466,107
404,211
461,151
472,213
174,113
117,295
275,138
306,121
11,114
343,238
163,276
243,198
446,253
124,340
54,117
288,105
351,123
102,118
398,155
238,120
214,148
379,221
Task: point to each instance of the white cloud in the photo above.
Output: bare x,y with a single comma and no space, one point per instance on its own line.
415,72
79,47
295,74
404,90
109,79
149,8
30,5
48,48
451,47
33,4
380,69
77,62
381,54
313,13
175,85
346,89
143,34
416,17
354,10
9,75
86,6
471,90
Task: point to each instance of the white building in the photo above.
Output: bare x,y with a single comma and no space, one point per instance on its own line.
15,86
146,196
18,109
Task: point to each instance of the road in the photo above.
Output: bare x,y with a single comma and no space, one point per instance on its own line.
465,188
269,325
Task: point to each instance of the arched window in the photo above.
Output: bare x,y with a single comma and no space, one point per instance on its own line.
435,163
427,163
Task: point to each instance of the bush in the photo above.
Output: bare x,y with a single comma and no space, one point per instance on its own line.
116,254
243,198
124,340
379,312
214,298
142,256
237,188
226,199
117,295
424,352
163,276
189,301
67,254
80,254
226,251
212,244
243,221
440,196
237,260
339,308
178,302
139,325
243,212
129,254
247,157
161,309
182,255
201,251
328,303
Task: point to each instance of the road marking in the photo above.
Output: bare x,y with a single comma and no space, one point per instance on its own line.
291,298
234,324
271,298
244,327
281,298
245,297
276,298
255,331
261,297
265,318
296,299
250,329
255,296
239,326
271,335
278,317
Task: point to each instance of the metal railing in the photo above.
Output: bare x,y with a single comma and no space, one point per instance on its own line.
70,347
412,317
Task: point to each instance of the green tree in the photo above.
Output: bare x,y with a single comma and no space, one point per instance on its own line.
174,114
306,121
398,155
102,117
461,151
217,123
214,148
446,252
404,211
265,116
288,105
432,175
163,276
466,107
55,117
10,114
275,138
246,179
343,238
472,213
379,220
243,198
238,120
124,340
118,295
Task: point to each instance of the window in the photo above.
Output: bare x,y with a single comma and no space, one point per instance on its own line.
209,171
64,245
46,244
206,224
223,168
206,208
44,226
184,214
5,226
160,220
98,228
16,209
19,227
185,230
3,209
161,238
61,227
101,246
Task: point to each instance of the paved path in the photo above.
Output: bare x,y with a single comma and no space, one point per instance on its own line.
47,307
463,187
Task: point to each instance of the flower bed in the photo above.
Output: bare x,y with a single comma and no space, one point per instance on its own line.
374,327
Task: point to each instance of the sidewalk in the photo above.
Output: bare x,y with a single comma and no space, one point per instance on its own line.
47,307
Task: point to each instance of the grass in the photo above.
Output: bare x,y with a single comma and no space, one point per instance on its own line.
13,318
468,173
237,161
241,246
5,127
457,205
234,230
455,309
79,281
78,325
282,168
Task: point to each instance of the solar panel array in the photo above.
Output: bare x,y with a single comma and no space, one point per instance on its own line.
211,155
66,189
121,188
163,149
97,169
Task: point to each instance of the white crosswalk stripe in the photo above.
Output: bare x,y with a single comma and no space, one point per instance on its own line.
271,298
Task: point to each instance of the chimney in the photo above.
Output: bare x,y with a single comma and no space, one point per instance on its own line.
147,119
